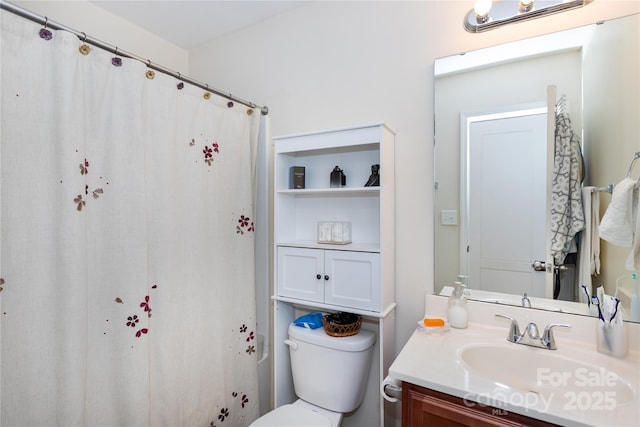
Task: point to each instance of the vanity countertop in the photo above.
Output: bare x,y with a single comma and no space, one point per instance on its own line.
571,386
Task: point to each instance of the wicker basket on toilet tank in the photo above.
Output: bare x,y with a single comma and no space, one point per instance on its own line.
341,324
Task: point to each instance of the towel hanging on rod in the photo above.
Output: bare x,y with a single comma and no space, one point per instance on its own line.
567,214
609,188
617,224
561,105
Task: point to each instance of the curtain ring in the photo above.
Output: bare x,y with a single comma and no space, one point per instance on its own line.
180,84
44,31
116,61
84,49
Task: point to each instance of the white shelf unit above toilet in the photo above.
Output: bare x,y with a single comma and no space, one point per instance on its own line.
358,277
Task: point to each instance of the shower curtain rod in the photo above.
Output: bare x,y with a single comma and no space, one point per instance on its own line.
43,20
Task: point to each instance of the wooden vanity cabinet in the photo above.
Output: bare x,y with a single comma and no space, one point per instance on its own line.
422,407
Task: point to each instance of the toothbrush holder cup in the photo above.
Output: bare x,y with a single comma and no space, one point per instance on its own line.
612,339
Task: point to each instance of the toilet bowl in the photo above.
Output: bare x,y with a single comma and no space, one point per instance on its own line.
329,377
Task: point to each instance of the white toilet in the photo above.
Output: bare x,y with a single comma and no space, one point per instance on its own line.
329,377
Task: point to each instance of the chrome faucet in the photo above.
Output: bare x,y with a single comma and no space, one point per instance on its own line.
531,335
525,301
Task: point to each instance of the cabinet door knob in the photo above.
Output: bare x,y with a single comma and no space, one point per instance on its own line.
326,277
318,276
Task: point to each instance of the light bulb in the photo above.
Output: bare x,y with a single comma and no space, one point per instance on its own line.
482,8
526,5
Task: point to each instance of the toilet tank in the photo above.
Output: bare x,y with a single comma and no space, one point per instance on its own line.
330,372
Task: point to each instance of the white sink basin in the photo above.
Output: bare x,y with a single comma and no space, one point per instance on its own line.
556,378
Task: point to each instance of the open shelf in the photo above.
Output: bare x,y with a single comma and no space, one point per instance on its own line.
328,307
354,247
350,191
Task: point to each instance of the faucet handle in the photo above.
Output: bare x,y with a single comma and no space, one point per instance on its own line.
547,336
514,329
532,331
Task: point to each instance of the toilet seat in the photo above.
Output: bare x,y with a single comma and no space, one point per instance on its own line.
292,416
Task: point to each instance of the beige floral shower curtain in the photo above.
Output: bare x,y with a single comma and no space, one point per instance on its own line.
127,242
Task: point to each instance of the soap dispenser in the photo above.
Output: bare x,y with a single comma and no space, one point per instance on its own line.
457,311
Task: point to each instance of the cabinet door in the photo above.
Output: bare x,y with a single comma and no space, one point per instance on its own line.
353,279
422,407
301,273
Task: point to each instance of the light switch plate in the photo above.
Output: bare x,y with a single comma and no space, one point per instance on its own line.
449,217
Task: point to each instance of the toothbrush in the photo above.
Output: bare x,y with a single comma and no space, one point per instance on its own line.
609,307
595,301
600,293
584,288
615,310
590,306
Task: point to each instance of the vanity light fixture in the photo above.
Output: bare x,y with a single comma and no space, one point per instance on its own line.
487,15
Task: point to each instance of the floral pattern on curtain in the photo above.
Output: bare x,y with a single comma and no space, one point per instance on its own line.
127,242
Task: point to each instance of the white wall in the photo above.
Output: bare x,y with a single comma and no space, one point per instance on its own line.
615,89
333,64
84,16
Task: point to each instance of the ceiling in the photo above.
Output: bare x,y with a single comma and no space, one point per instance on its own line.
188,24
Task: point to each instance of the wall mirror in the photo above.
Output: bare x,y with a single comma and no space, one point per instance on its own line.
494,121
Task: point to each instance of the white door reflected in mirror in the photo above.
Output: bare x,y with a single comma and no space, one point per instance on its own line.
506,213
